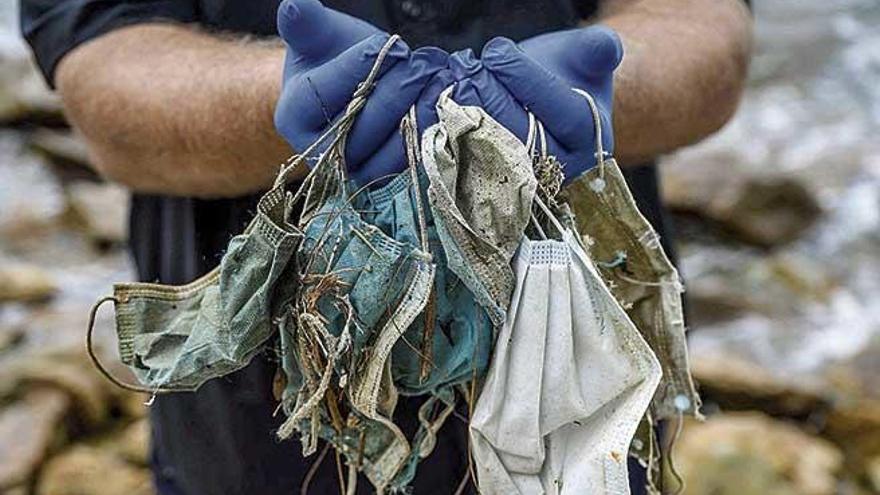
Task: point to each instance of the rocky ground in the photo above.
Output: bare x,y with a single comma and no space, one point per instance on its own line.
778,218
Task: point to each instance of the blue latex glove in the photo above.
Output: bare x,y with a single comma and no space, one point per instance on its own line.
328,54
539,74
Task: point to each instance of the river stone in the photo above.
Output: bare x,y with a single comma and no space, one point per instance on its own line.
722,282
29,429
93,398
737,384
101,210
25,283
64,147
753,454
872,467
855,425
133,442
89,470
761,209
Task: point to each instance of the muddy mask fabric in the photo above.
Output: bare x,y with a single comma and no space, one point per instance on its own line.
632,262
481,191
175,338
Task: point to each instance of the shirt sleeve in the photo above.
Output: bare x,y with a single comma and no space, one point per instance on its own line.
53,27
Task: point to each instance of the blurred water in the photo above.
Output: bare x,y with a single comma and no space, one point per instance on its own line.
812,111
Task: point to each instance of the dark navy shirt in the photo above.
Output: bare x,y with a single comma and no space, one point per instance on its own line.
219,440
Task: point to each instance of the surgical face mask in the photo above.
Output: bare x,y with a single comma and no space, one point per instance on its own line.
568,385
360,290
631,260
175,338
449,342
481,190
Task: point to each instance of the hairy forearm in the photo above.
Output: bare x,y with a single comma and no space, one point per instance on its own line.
683,71
168,109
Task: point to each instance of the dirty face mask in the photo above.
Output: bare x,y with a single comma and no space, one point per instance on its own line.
175,338
631,260
569,382
481,190
449,343
361,291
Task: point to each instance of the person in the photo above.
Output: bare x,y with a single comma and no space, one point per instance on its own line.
179,100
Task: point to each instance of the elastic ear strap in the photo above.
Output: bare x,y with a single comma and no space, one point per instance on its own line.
550,215
409,128
530,137
597,123
100,366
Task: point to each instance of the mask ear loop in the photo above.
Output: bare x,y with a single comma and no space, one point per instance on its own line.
597,124
531,140
409,129
542,136
90,348
532,135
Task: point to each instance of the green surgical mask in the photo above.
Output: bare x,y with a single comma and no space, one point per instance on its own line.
175,338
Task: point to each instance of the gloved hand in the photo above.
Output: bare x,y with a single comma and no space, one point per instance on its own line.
539,74
328,54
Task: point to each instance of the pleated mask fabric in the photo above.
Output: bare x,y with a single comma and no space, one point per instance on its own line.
569,382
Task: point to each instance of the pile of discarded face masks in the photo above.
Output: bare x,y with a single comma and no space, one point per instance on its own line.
473,276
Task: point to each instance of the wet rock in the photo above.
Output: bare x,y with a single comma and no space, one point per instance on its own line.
752,454
25,283
88,470
725,283
29,429
89,393
764,210
63,147
131,404
101,210
872,469
132,443
30,197
23,93
737,384
10,338
854,425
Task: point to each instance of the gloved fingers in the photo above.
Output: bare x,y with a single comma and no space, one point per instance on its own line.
562,111
476,86
389,158
311,100
393,95
316,34
591,51
426,106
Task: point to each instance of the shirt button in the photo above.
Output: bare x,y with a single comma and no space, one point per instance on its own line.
411,8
